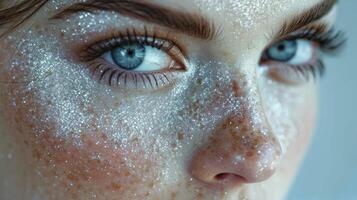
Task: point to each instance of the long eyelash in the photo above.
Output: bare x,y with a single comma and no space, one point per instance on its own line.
117,77
130,36
316,70
329,41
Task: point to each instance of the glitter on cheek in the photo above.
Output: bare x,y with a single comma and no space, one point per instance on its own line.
290,109
59,107
57,104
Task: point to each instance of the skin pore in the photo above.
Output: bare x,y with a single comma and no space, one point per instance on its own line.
223,123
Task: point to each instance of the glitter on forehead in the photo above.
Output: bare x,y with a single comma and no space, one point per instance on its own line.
242,16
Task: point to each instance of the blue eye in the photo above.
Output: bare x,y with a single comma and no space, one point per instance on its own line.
283,51
290,61
137,56
129,56
136,62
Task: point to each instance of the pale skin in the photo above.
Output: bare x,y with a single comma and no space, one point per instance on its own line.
224,129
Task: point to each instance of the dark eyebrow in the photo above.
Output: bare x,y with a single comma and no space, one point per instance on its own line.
307,17
188,23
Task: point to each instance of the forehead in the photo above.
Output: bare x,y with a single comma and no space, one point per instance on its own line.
242,13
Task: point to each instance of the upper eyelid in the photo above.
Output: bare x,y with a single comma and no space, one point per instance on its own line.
134,33
318,28
169,45
298,22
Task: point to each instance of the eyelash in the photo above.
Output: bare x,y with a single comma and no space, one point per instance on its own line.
329,42
155,79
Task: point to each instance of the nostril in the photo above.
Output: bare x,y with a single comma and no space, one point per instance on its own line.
229,177
221,176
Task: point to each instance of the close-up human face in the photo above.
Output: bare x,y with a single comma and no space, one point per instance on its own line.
159,99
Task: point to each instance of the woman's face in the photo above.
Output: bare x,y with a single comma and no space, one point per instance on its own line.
160,99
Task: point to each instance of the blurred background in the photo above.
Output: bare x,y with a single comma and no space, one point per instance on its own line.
329,171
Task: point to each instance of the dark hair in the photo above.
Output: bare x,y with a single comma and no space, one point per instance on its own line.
14,15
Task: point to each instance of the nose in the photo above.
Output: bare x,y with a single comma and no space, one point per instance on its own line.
242,149
236,153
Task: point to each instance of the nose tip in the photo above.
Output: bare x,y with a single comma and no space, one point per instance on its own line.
217,166
233,157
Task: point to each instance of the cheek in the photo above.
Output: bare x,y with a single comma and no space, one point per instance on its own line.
84,162
291,111
77,135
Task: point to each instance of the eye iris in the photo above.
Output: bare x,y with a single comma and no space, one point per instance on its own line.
283,51
129,56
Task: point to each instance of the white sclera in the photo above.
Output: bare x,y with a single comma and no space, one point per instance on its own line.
155,59
304,53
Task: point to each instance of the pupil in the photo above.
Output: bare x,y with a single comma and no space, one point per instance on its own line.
128,56
131,53
281,47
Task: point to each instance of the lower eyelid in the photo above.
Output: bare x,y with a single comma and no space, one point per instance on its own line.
295,74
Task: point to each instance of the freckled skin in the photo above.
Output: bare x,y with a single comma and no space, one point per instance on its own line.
223,130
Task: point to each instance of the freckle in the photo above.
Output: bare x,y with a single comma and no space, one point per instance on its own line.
173,195
135,140
180,136
74,195
36,154
151,185
199,81
116,104
126,174
78,186
26,143
235,88
17,120
249,154
37,26
72,177
116,186
104,137
174,145
90,110
199,195
49,103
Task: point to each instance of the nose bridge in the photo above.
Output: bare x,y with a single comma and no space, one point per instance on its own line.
247,128
249,115
243,143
